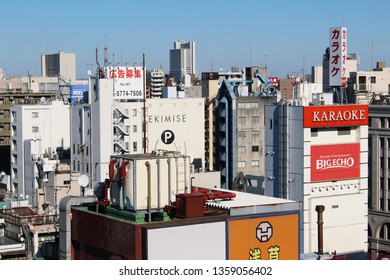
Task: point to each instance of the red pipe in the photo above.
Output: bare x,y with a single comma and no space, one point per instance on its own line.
209,194
123,171
106,192
104,202
111,170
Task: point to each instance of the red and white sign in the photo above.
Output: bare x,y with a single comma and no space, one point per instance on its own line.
128,82
335,162
335,115
338,56
273,80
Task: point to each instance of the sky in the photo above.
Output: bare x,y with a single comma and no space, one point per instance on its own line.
286,36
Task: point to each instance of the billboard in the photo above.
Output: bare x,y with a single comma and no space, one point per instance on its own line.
78,93
128,82
337,56
204,241
335,115
335,162
265,238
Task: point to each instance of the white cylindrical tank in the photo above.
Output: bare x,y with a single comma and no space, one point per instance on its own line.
169,175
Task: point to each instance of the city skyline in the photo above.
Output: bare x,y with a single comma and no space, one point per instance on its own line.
286,36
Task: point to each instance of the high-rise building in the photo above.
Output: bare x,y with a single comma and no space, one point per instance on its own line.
118,122
183,61
59,64
379,181
239,134
39,136
157,82
319,155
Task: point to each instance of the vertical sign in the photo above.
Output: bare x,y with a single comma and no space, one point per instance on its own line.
337,56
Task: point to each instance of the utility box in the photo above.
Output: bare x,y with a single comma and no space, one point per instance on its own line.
189,205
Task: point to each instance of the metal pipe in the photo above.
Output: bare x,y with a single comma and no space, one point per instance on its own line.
65,223
149,192
144,101
320,209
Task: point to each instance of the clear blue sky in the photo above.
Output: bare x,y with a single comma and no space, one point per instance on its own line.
286,35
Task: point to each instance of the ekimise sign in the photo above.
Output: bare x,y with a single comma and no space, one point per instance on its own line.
333,116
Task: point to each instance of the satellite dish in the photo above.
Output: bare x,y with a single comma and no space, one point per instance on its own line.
83,180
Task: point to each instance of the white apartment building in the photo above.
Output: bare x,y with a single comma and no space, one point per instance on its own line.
114,126
39,134
157,82
366,87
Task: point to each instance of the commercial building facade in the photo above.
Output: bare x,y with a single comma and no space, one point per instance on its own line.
239,134
114,125
379,182
319,155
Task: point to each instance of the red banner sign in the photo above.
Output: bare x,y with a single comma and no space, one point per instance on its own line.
335,115
335,162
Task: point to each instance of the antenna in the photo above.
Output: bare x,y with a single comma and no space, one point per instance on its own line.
97,57
265,59
105,51
250,54
303,69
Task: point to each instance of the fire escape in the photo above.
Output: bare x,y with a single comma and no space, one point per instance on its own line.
120,130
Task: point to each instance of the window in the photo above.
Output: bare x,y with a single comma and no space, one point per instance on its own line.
241,149
373,80
255,163
34,115
255,119
35,129
255,148
241,134
134,146
134,128
66,182
343,131
248,105
134,112
241,120
314,132
255,133
241,164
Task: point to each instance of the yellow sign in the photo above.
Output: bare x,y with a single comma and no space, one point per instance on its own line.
267,238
